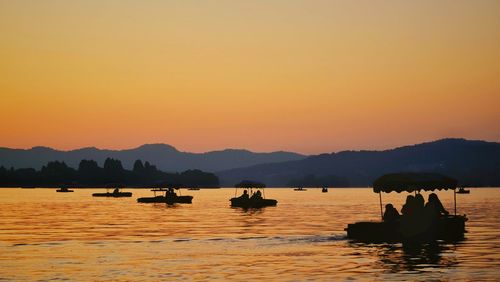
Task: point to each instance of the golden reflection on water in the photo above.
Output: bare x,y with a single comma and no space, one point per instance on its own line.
48,235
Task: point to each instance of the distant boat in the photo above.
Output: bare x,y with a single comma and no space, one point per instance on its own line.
193,188
170,197
251,199
300,189
324,190
64,190
115,194
462,190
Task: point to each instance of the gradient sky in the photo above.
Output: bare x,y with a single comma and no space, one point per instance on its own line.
306,76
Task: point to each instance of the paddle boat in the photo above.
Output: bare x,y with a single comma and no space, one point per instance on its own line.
115,194
462,190
445,227
324,190
252,196
300,189
169,197
64,190
194,188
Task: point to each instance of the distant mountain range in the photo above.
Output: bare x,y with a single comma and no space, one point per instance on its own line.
165,157
475,163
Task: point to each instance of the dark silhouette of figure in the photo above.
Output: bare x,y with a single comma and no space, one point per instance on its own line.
244,196
391,214
170,193
419,201
256,196
409,207
116,191
434,206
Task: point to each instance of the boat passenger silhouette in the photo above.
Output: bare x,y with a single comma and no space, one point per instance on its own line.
256,196
409,206
390,214
244,196
435,207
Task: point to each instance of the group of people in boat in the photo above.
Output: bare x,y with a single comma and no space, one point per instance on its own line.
255,195
417,217
415,207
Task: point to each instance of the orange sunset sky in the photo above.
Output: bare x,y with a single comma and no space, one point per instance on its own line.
305,76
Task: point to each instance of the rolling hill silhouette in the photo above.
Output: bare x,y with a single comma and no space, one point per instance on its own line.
166,157
475,163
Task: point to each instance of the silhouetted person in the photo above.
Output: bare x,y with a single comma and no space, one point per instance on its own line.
170,193
244,196
419,204
391,214
434,206
257,195
409,207
116,191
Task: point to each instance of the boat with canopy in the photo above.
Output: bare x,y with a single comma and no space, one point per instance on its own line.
253,196
446,227
169,197
116,192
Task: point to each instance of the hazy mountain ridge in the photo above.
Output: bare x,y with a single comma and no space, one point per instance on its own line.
471,162
166,157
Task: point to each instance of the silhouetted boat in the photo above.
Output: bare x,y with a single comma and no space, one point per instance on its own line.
450,227
324,190
115,194
170,197
64,190
252,199
462,190
193,188
300,189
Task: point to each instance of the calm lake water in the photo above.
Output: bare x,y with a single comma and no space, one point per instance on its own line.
47,235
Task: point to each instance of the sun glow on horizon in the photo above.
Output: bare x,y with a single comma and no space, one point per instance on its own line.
301,76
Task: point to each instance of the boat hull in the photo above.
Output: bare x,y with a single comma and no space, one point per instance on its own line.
167,200
114,195
450,228
252,203
64,191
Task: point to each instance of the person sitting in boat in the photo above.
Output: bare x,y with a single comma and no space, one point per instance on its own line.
256,196
244,196
434,206
116,191
419,204
391,214
170,192
409,207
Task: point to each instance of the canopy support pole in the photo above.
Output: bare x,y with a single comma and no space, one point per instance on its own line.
380,199
455,199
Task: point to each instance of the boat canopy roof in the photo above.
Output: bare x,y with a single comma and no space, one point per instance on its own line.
411,182
250,184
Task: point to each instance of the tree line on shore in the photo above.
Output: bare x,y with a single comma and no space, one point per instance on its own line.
90,174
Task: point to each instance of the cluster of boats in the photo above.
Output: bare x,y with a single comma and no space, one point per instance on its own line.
446,227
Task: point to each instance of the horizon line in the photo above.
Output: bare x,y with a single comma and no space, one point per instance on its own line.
243,149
